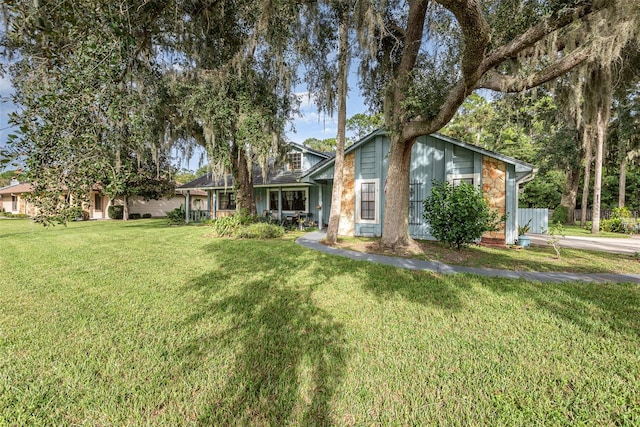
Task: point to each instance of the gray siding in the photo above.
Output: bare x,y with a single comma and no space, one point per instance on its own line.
433,159
371,162
308,160
511,206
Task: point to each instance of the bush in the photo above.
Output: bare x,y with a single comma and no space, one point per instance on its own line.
135,216
613,225
458,215
620,213
146,215
242,225
115,211
176,216
260,230
227,226
560,214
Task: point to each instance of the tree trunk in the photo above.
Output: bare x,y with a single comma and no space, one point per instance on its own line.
338,172
245,200
602,77
125,208
395,227
597,182
570,194
586,137
622,185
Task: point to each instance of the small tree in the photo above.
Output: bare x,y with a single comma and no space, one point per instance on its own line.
458,215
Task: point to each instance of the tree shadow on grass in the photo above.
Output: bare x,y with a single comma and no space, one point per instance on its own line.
587,305
420,287
287,354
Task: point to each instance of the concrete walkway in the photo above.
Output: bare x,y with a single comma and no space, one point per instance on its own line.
312,241
629,246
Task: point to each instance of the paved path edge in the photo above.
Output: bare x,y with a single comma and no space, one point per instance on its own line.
312,241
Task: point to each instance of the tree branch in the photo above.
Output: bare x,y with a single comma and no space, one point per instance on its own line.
476,32
539,31
505,83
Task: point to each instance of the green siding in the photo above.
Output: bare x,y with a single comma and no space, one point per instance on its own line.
368,161
511,205
433,159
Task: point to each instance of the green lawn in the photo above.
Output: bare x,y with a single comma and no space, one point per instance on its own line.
576,230
110,323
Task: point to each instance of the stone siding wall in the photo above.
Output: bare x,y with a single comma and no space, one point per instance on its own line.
347,218
494,187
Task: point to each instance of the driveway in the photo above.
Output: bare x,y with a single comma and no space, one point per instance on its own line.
628,246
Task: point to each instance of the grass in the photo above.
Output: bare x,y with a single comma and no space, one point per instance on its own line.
111,323
576,230
531,259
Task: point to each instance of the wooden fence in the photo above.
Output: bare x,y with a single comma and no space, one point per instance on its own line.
604,214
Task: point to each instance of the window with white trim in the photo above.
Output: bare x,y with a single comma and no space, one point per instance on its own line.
367,200
14,203
295,160
293,199
469,178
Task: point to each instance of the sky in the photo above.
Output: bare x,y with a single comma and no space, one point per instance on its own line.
6,107
310,124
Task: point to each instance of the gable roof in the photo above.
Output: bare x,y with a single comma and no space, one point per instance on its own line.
522,168
274,176
306,149
16,189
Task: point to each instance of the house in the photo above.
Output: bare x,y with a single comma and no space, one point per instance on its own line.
305,184
434,157
282,193
13,198
159,208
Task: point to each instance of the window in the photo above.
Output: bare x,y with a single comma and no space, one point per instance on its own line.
416,208
367,200
14,203
469,178
294,199
295,160
227,201
97,204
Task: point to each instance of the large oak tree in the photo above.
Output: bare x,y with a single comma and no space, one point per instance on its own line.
423,59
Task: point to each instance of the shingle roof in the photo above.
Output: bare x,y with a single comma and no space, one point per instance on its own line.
17,188
210,180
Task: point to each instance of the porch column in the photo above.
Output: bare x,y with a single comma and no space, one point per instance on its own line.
280,203
215,203
208,204
187,207
320,209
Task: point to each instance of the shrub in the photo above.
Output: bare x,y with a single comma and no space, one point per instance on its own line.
620,213
560,214
115,211
228,225
458,215
135,216
613,225
146,215
176,216
260,230
246,226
